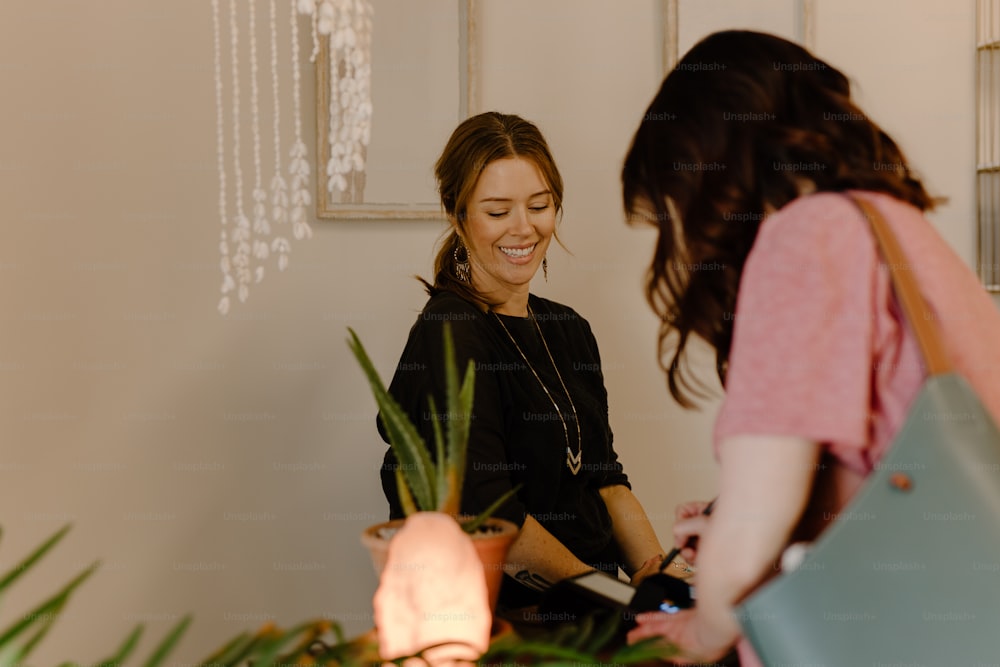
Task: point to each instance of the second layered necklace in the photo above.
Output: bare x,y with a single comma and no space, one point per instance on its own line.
573,461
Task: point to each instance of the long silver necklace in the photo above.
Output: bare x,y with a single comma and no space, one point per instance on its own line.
573,461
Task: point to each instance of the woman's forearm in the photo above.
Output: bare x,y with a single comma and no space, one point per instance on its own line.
630,526
764,487
538,560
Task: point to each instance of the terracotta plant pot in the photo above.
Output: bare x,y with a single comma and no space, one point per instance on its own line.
492,542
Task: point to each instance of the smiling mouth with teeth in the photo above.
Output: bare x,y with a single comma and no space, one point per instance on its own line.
518,252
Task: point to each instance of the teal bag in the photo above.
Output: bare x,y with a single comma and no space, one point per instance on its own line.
910,572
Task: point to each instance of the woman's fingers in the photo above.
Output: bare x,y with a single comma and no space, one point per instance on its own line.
689,509
686,535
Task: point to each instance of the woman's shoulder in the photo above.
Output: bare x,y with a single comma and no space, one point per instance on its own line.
548,311
468,324
809,213
447,306
817,225
822,214
553,309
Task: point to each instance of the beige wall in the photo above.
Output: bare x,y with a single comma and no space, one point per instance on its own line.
225,466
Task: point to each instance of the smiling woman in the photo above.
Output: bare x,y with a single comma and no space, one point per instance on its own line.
509,226
540,413
491,160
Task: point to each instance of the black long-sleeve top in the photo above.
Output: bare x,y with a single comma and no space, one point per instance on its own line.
516,435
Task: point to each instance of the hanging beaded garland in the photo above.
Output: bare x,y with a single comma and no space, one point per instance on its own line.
246,247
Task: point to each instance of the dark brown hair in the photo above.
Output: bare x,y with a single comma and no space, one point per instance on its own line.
744,121
475,143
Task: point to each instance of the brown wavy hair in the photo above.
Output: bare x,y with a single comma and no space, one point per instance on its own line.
476,142
745,121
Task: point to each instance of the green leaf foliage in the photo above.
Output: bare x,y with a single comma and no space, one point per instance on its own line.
596,639
124,651
265,649
409,448
161,652
425,484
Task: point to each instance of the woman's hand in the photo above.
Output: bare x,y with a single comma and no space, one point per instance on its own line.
684,630
690,523
651,566
630,527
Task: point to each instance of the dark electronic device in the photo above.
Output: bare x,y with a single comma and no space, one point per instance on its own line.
597,591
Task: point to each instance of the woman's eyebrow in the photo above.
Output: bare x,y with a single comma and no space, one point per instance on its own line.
506,199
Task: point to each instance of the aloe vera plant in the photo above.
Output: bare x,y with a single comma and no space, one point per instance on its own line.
425,484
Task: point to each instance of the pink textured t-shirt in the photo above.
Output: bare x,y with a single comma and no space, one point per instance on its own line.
820,346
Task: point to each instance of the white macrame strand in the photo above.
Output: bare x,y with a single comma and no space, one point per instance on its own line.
241,234
279,188
348,23
227,277
299,166
261,226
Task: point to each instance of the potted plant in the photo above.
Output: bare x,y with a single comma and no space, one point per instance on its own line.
427,484
317,643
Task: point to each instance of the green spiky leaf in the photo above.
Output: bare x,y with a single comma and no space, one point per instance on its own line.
233,652
39,620
473,524
458,404
161,652
409,448
520,649
441,491
123,651
269,644
405,497
32,558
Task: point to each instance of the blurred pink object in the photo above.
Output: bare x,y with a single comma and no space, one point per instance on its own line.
432,591
492,541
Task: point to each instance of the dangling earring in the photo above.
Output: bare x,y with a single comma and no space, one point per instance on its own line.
545,268
462,265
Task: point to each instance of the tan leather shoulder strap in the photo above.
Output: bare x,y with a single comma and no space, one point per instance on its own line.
920,318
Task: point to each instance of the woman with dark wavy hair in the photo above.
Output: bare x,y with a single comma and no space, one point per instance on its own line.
744,161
